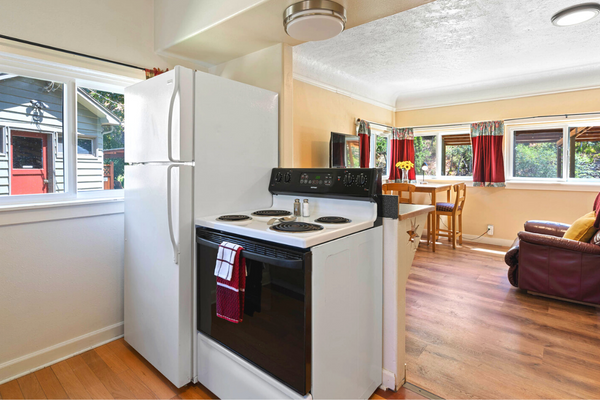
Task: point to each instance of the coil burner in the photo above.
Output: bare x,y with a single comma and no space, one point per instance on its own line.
233,218
333,220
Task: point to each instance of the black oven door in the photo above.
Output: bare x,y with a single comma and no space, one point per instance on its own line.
275,332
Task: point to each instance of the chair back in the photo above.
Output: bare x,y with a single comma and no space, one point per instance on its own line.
460,190
399,189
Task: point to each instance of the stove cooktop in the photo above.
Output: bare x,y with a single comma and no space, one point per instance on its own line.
330,219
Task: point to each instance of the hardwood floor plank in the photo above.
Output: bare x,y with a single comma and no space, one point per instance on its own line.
117,388
161,387
11,390
469,332
137,387
31,387
111,359
69,381
50,384
89,380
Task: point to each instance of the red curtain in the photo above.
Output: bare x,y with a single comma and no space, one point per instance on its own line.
403,149
488,160
364,143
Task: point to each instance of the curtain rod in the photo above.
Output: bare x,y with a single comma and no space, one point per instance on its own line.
469,123
68,52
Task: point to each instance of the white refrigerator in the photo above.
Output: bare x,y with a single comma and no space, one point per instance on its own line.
195,144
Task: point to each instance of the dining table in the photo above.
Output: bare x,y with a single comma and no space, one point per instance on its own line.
433,189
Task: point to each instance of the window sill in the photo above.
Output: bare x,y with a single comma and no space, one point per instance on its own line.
554,186
16,214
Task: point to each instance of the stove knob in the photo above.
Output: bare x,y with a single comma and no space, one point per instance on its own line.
288,176
362,180
278,177
348,179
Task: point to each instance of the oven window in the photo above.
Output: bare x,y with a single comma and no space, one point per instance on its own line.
272,334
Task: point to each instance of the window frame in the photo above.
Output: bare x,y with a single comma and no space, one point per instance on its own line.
94,152
4,132
439,133
375,132
563,123
72,78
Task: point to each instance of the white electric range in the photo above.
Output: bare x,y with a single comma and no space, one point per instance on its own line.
312,325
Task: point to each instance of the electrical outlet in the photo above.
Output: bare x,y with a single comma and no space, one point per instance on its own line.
490,230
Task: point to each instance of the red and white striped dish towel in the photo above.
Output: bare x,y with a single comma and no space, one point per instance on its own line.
230,271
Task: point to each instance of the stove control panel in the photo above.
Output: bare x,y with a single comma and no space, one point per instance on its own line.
356,183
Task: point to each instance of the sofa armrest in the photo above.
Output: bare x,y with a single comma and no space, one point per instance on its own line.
559,243
511,258
546,228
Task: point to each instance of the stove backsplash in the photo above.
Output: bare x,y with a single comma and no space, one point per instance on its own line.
351,184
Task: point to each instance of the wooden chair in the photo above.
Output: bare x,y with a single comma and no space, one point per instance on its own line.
399,189
454,212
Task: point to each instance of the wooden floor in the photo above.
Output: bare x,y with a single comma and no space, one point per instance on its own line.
115,371
470,334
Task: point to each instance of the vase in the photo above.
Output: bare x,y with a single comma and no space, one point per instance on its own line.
404,176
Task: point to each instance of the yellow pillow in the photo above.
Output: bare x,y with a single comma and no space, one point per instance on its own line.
583,229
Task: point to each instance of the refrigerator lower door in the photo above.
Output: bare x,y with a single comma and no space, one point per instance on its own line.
158,267
160,118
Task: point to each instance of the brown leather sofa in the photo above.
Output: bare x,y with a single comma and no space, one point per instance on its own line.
542,261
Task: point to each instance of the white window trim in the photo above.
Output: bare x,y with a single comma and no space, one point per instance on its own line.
560,184
383,133
71,77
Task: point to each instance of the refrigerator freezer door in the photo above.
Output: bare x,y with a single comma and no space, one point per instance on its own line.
158,270
236,145
159,118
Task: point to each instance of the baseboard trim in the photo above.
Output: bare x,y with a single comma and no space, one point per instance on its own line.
24,365
493,241
388,381
483,239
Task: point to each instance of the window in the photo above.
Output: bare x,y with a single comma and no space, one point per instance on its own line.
540,154
381,142
425,152
457,155
447,154
584,160
100,115
85,146
61,132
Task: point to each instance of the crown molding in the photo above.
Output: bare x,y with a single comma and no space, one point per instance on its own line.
334,89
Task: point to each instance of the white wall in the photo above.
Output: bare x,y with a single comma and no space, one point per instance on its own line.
180,19
59,281
118,30
271,69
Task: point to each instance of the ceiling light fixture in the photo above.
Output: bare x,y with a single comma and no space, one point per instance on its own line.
576,14
313,20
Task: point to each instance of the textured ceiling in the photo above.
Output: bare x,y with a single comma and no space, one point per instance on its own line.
457,51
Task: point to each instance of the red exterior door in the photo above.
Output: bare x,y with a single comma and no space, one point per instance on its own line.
29,156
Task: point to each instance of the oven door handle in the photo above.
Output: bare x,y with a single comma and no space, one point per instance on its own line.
278,262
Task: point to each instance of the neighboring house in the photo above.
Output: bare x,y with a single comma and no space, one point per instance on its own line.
31,139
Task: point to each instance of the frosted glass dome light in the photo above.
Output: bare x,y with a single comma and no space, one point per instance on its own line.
313,20
576,14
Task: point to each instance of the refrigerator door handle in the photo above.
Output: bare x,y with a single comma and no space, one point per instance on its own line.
170,215
170,118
